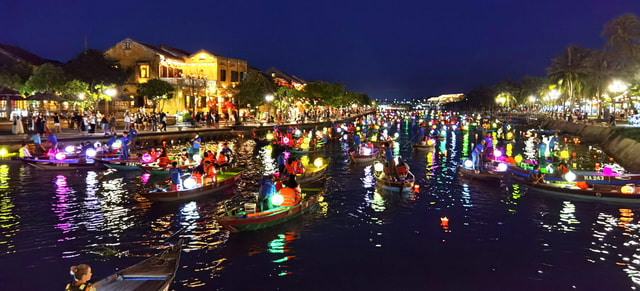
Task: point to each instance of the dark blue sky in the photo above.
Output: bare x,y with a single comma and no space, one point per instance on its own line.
387,49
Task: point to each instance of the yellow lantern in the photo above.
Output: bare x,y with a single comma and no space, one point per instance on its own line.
628,189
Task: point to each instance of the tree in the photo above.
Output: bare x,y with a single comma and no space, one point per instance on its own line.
254,89
568,70
508,93
46,78
93,68
15,76
155,90
623,38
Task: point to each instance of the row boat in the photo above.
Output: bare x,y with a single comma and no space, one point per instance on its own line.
154,273
364,159
588,176
597,192
312,173
493,171
66,164
225,180
394,186
237,220
121,165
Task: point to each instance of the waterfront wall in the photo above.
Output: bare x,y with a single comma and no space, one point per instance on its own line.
625,151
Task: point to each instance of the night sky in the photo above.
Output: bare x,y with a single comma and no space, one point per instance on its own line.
387,49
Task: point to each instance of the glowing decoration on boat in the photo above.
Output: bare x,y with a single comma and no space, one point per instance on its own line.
570,176
197,158
501,167
3,152
91,153
396,135
318,162
468,164
443,132
628,189
285,140
497,153
518,159
365,151
189,183
564,154
60,156
146,158
431,142
509,136
378,167
297,132
116,145
69,149
269,136
277,199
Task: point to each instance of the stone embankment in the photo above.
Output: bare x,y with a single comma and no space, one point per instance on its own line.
625,151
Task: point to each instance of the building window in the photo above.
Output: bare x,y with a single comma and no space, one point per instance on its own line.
243,76
223,75
144,71
126,45
234,76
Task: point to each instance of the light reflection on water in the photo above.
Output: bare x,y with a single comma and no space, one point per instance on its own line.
502,233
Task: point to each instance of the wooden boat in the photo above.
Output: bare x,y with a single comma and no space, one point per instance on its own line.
364,159
388,185
237,220
154,273
121,165
226,179
425,145
66,164
312,173
155,169
299,151
491,174
588,176
595,192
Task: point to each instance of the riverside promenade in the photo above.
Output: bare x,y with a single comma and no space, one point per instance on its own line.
178,133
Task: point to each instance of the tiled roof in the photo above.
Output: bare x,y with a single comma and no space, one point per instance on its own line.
13,54
285,76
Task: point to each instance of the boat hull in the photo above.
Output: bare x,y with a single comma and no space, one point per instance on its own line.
606,194
54,165
589,177
170,196
399,187
121,165
484,175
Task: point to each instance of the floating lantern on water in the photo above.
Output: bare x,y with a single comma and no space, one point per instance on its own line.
416,188
60,156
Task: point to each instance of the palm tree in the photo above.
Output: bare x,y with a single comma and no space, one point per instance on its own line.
623,37
568,70
600,70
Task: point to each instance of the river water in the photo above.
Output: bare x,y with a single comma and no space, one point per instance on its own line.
498,236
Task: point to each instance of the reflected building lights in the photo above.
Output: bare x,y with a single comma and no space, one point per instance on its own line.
9,223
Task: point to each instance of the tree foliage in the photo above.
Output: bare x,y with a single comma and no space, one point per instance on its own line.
156,89
93,68
46,78
254,89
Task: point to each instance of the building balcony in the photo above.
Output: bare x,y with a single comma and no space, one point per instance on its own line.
188,82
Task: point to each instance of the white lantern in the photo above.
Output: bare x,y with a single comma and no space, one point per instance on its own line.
277,199
189,183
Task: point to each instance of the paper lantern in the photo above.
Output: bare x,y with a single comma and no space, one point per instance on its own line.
277,199
570,176
628,189
189,183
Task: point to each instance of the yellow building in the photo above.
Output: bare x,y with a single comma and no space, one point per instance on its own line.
204,81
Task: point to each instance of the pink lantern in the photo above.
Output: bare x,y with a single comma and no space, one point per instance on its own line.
60,156
607,171
146,158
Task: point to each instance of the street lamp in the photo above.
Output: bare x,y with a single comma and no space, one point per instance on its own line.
268,98
617,87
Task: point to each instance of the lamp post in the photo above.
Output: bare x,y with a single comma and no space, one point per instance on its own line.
617,87
111,92
268,98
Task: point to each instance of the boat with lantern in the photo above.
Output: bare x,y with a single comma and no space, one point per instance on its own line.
629,193
389,184
365,156
428,144
61,164
492,171
154,273
190,189
245,218
606,177
312,171
122,165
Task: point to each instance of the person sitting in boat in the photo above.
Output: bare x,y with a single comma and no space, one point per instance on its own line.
402,168
211,174
81,274
222,161
175,174
267,188
536,176
281,163
390,165
227,152
291,171
357,142
24,151
198,172
184,159
476,155
290,192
